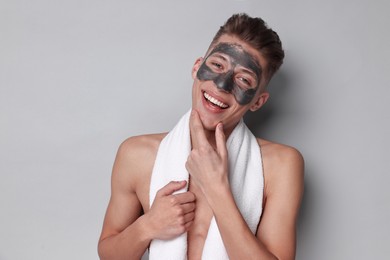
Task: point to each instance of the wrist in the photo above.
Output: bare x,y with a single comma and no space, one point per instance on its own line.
217,193
215,182
147,227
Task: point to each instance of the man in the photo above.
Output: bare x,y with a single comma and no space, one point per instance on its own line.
145,211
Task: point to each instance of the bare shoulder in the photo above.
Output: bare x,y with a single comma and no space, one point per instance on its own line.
279,155
283,165
135,159
140,146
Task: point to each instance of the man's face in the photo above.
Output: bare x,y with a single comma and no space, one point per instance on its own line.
233,70
228,82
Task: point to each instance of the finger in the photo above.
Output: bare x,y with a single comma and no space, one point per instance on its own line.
188,225
189,217
188,207
185,197
171,187
220,140
198,136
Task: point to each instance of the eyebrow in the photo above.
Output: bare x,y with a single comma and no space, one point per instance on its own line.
220,55
246,69
249,71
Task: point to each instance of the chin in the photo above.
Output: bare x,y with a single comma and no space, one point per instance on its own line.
209,123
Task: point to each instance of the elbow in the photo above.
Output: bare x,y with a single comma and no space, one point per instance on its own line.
102,250
275,257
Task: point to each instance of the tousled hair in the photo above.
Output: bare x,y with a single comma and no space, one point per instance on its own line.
256,33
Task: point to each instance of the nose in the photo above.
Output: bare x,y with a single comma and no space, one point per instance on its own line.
225,82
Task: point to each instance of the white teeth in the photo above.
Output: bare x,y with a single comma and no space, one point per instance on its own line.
214,101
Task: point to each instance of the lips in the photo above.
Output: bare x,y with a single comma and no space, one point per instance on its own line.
215,101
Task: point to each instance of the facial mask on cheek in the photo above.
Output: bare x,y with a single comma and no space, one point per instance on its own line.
225,81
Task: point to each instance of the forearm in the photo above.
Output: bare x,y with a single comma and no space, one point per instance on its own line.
238,239
131,243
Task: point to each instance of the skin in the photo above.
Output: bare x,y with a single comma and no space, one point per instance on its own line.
130,224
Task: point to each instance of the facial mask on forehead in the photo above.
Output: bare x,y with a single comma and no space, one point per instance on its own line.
226,80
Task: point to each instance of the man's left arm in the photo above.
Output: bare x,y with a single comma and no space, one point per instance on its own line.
275,237
284,173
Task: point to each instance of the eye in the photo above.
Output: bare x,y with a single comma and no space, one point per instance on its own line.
244,81
217,65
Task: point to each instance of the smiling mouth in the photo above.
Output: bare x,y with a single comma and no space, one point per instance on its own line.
214,101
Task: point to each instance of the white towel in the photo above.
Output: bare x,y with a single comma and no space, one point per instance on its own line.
245,177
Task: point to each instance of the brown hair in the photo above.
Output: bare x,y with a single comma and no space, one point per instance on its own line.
256,33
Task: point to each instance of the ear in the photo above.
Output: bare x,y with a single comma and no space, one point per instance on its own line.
260,101
196,66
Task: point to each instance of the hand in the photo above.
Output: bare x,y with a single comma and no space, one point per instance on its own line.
206,165
171,215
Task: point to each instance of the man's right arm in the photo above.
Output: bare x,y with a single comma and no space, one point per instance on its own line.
126,232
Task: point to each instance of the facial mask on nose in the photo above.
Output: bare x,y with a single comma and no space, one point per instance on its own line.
219,66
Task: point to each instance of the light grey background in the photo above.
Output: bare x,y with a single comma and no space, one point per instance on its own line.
78,77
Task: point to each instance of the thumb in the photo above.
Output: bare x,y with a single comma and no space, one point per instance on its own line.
220,140
170,188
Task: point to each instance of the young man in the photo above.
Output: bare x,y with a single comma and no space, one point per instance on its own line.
226,194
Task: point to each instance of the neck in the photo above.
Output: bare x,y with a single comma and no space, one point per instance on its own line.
210,135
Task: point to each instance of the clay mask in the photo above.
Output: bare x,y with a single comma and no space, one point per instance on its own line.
233,70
